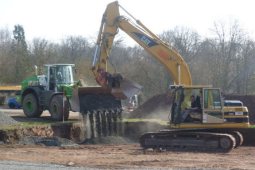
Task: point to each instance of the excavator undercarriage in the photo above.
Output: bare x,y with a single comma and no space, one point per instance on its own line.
208,140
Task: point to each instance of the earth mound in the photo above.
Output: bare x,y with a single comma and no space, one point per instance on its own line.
156,107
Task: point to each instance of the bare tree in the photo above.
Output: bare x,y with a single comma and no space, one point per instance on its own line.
185,40
5,49
228,45
187,43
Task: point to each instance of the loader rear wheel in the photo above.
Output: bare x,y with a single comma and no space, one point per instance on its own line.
59,108
30,106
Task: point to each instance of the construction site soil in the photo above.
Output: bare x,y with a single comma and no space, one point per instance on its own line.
129,156
65,143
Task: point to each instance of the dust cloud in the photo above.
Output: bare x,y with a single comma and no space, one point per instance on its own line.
157,107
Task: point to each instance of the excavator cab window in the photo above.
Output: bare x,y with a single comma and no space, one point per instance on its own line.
178,98
197,105
212,99
187,106
213,106
191,109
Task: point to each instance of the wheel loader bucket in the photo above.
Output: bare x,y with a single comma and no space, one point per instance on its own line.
102,107
89,99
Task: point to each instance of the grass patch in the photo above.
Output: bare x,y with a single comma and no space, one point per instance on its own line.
45,123
24,125
132,120
33,124
252,126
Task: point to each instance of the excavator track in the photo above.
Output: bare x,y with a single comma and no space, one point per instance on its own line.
188,140
238,137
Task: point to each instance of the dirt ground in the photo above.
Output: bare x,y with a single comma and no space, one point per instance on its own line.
128,156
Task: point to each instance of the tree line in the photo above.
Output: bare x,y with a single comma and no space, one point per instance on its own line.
226,59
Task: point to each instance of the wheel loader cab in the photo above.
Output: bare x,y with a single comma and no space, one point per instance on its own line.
58,74
196,105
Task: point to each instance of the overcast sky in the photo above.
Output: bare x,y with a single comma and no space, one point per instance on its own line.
56,19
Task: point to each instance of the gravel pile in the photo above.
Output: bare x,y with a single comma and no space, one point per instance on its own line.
5,119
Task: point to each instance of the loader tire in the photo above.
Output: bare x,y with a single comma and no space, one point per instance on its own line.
57,110
31,106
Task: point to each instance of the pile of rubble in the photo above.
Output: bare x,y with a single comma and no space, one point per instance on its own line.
155,107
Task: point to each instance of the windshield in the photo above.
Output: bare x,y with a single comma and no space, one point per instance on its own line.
64,74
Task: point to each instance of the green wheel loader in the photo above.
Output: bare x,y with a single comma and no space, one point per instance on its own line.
57,92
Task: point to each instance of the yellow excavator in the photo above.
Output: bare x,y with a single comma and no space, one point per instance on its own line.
208,125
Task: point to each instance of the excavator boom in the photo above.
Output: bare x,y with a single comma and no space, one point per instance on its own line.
112,21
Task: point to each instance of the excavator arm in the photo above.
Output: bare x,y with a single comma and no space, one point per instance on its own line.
112,21
108,30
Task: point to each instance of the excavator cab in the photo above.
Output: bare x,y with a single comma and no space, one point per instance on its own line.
196,105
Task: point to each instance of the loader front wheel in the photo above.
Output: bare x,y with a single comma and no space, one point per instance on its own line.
59,108
30,106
